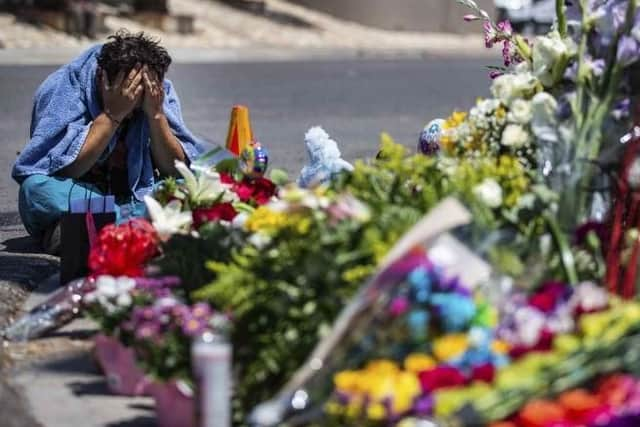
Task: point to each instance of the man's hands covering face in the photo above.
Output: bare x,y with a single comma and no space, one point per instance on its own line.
153,94
128,90
123,95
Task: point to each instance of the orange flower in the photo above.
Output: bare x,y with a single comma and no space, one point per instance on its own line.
540,413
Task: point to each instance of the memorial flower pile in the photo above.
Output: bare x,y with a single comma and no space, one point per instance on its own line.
480,359
113,298
162,333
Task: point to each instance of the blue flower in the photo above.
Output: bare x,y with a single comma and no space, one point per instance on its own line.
456,311
418,324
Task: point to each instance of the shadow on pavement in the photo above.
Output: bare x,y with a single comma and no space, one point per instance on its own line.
23,245
135,422
26,270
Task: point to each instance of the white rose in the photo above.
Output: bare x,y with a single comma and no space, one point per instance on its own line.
520,112
509,87
550,57
515,136
543,117
489,192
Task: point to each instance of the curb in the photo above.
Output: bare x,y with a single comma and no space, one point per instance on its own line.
58,56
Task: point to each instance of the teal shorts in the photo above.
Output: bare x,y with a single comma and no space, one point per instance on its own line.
44,199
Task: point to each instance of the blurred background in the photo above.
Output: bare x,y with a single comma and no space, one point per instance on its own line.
313,23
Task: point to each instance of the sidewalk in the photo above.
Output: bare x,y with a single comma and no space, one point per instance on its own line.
60,382
223,33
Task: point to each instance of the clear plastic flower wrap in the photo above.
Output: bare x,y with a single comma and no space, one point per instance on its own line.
59,309
425,283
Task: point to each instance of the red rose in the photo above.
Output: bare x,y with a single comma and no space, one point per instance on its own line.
226,178
263,190
218,212
545,342
440,377
257,190
244,190
547,298
123,250
484,373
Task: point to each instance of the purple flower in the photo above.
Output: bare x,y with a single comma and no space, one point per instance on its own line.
621,109
147,331
423,406
628,51
201,310
399,306
194,326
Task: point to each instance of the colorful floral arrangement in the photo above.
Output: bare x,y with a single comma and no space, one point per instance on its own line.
478,361
539,163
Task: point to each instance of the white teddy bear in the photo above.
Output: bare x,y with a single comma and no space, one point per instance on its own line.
324,159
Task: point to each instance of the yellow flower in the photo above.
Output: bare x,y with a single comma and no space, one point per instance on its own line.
382,367
354,408
379,386
450,346
347,381
499,346
376,411
593,325
266,220
566,343
333,408
447,401
417,363
406,389
501,113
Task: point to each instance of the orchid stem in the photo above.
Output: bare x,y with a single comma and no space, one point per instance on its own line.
562,18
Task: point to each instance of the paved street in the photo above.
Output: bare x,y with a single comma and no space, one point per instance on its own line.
352,100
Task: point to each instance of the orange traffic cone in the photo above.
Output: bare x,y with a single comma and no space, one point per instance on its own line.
240,134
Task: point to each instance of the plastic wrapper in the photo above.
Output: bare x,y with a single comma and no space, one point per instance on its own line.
369,327
59,309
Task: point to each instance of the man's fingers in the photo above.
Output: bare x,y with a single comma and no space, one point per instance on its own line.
138,91
147,81
119,79
137,79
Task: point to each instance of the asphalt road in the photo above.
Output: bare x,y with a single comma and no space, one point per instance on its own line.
353,100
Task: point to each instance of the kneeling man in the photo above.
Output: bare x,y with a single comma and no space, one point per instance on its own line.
108,123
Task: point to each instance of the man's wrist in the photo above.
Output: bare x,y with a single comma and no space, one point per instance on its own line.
113,119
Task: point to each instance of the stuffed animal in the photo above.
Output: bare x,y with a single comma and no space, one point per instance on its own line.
324,159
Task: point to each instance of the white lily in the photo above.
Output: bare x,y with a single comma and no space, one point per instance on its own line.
205,187
168,220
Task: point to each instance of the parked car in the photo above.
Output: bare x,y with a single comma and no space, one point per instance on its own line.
533,16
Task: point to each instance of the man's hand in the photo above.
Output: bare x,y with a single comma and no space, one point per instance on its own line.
121,97
153,95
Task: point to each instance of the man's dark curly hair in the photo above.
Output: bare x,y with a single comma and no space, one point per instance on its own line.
124,50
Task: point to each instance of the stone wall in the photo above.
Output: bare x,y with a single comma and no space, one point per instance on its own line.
442,16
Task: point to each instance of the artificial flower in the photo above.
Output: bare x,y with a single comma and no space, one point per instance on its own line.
168,220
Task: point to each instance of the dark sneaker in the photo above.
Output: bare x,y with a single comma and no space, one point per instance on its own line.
51,240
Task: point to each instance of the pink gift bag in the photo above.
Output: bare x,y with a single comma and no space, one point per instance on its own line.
175,405
118,363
